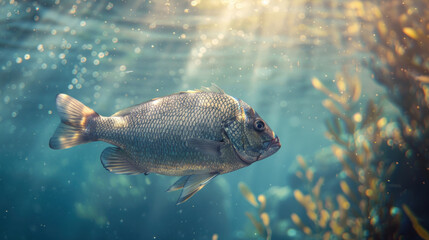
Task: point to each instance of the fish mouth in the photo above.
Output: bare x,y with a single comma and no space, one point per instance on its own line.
272,146
275,143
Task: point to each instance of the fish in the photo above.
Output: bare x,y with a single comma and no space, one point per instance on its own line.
195,134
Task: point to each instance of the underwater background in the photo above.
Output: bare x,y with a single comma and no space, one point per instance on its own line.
344,84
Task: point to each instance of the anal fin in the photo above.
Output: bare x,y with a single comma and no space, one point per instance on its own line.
115,160
190,185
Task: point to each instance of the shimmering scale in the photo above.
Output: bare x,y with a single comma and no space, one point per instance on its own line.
155,133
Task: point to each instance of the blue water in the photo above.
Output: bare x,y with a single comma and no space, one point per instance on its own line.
114,54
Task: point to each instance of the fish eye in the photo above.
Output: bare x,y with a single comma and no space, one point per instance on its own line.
259,125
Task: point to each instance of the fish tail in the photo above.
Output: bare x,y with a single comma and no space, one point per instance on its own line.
73,129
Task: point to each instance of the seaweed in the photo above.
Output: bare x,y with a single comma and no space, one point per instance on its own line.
262,220
364,208
401,65
422,232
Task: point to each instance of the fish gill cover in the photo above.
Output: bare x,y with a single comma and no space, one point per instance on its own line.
355,72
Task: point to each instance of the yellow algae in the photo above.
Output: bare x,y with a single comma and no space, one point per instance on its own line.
326,236
263,201
341,84
410,32
357,117
324,218
312,215
265,219
301,162
423,79
421,231
307,230
316,189
247,194
316,83
336,228
256,224
381,122
382,28
369,193
309,174
353,28
299,174
295,219
342,202
345,187
328,104
357,89
299,196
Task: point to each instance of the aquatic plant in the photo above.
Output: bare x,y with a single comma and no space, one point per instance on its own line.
363,209
422,232
401,65
262,220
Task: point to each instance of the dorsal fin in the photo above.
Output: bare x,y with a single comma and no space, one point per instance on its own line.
123,112
127,110
212,89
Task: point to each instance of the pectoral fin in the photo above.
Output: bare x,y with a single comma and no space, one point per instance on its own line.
115,160
190,185
206,146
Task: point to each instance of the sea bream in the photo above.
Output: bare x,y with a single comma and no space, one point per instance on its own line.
197,134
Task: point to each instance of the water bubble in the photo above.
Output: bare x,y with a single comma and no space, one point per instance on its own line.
137,50
70,86
40,106
14,114
101,55
27,56
18,60
44,65
82,23
95,74
115,40
96,62
53,32
61,56
49,112
83,59
122,68
6,99
109,6
40,48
